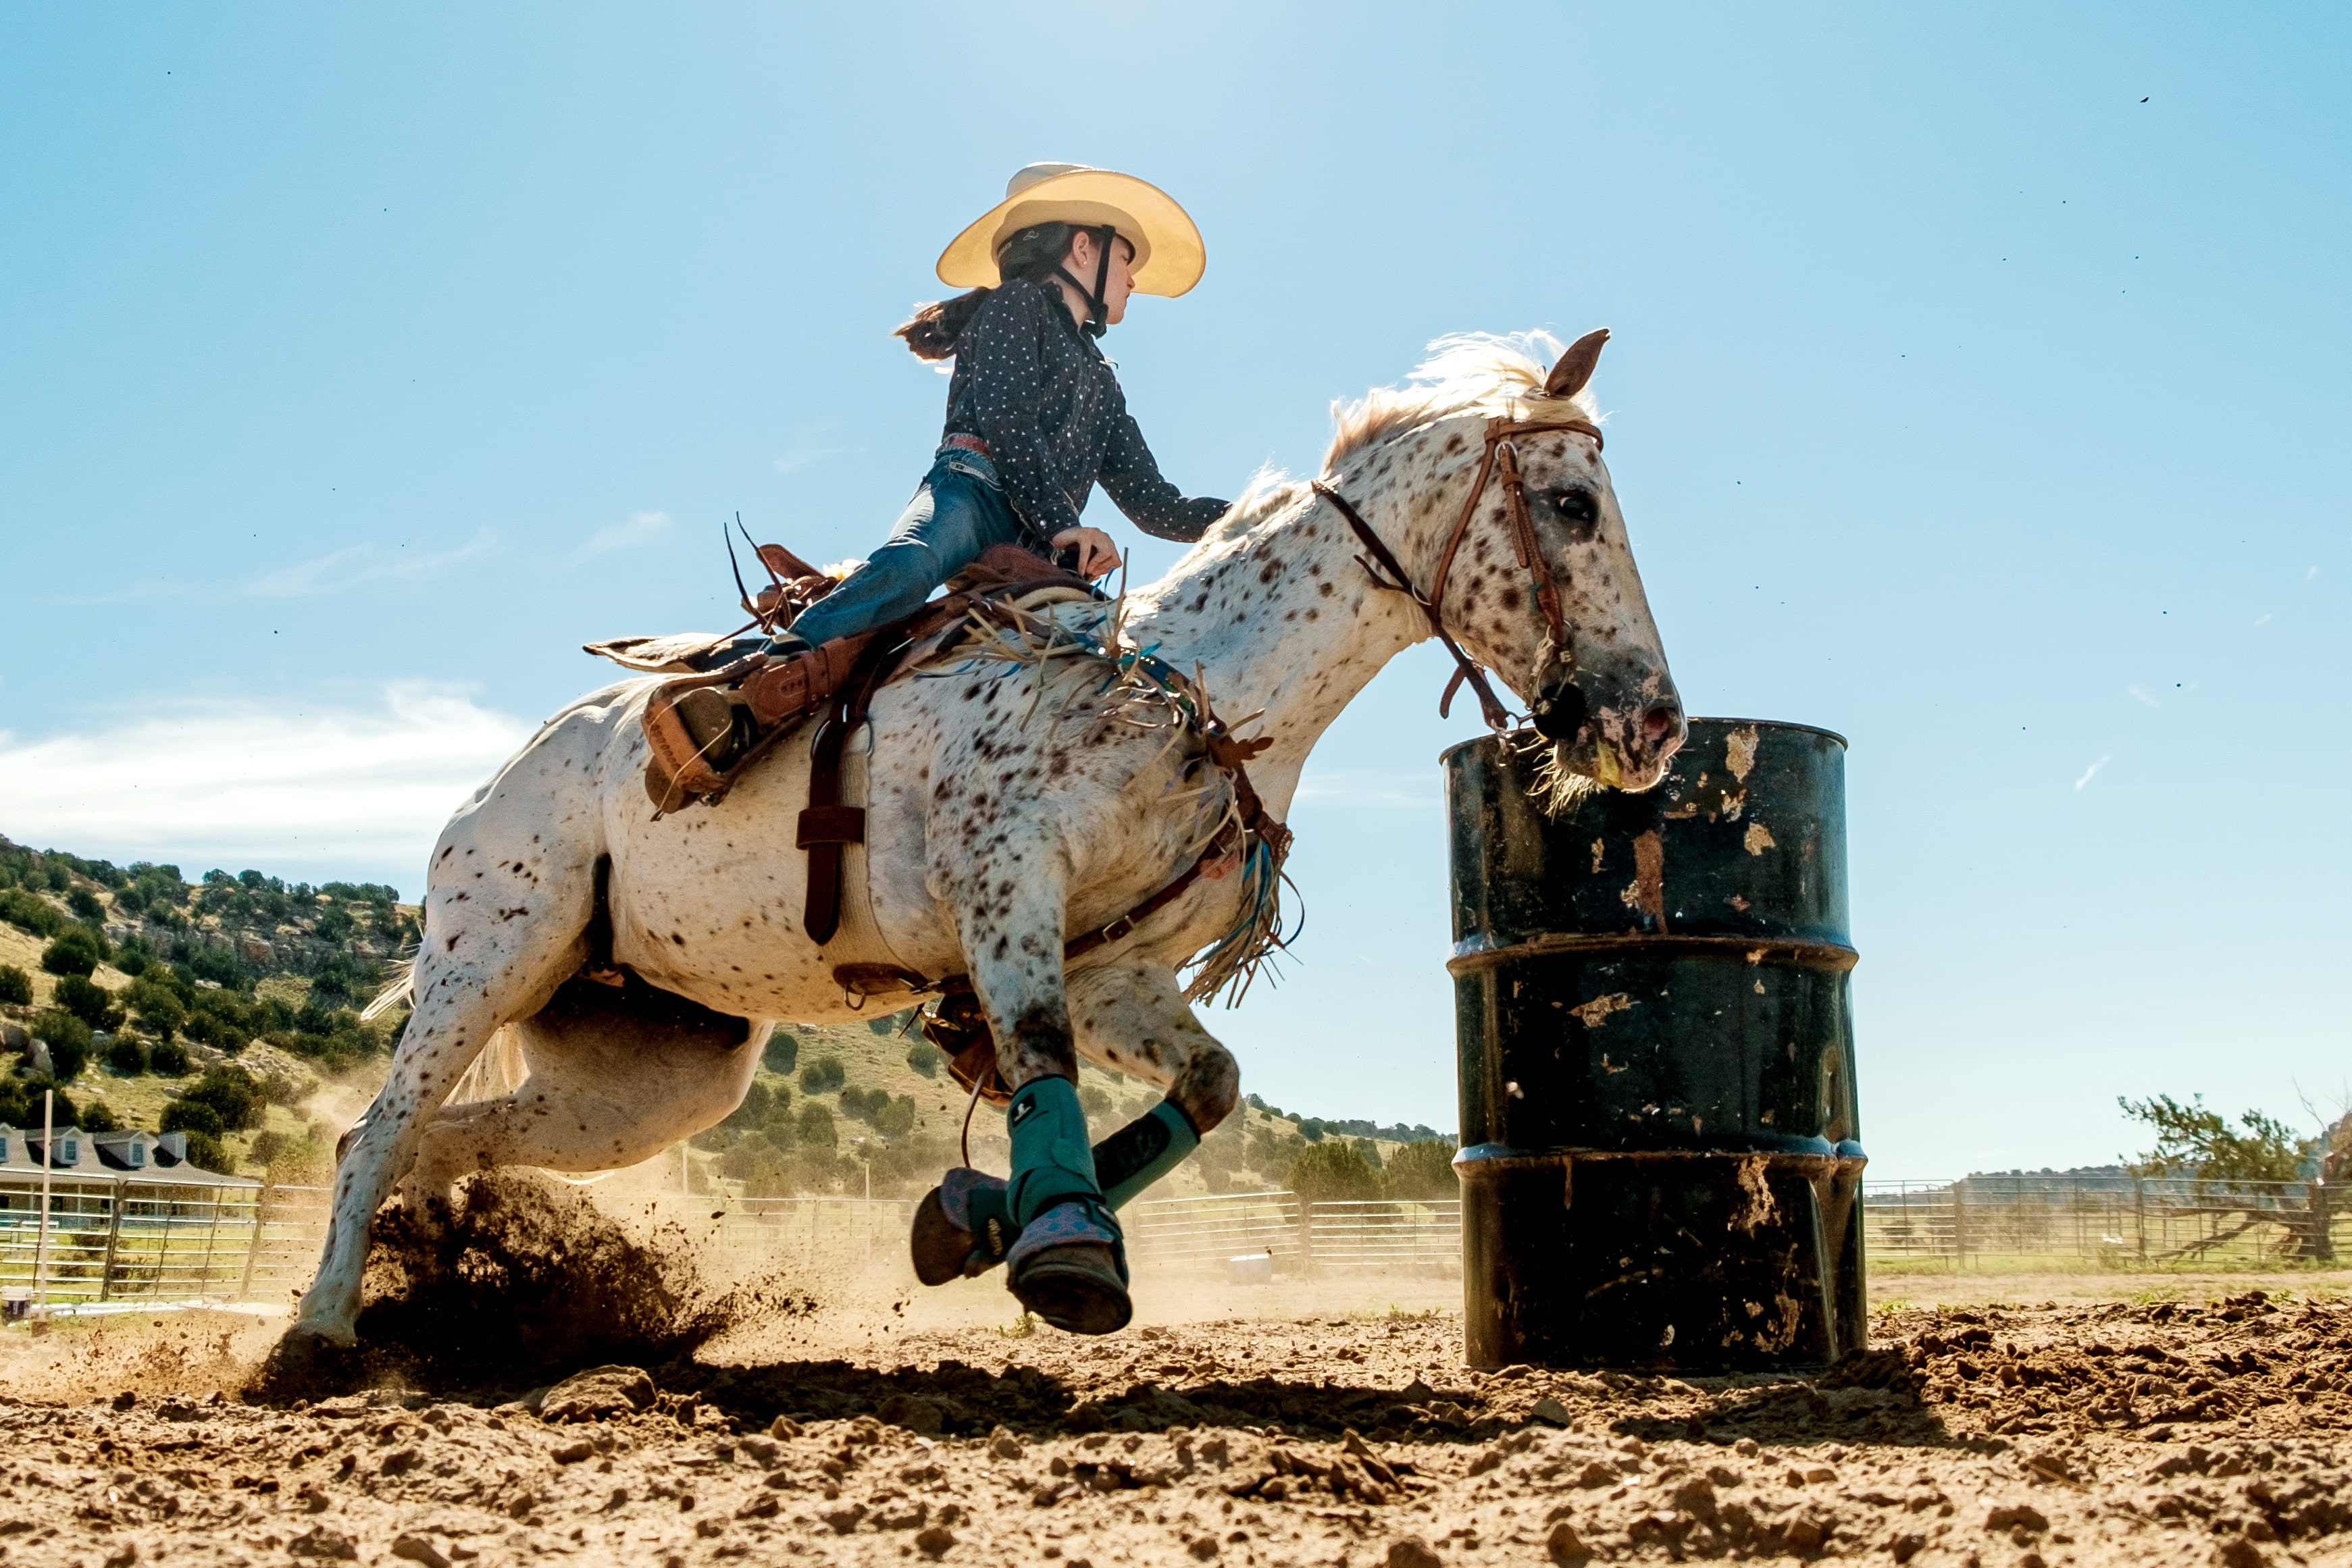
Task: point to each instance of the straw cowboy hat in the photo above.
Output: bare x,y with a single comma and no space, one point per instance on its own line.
1169,255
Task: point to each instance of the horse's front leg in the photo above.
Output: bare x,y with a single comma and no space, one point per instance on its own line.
1133,1017
1007,891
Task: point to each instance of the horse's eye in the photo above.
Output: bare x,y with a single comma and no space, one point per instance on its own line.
1577,507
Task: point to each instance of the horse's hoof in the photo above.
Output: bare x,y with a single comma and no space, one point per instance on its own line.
939,1246
1075,1287
308,1362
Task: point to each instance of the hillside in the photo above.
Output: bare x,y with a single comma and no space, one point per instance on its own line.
228,1008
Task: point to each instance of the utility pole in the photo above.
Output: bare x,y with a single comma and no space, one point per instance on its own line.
48,1159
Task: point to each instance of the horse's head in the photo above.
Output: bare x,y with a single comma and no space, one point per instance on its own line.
1536,580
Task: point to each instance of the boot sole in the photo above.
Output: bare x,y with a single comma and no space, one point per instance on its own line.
1078,1294
938,1247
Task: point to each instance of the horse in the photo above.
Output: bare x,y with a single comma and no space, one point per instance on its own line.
1004,811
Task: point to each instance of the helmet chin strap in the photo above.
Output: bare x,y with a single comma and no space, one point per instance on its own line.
1098,307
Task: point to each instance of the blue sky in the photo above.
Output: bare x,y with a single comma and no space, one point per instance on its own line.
1977,393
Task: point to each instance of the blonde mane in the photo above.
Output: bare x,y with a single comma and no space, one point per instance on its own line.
1465,373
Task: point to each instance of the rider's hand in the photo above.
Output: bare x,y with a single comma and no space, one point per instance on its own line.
1096,554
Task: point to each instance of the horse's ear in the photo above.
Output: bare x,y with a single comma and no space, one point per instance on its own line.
1575,367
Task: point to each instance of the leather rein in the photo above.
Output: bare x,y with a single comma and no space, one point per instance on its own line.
1501,457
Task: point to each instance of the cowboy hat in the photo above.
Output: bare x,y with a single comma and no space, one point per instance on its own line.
1169,257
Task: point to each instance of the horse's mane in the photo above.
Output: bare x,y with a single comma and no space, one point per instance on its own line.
1465,373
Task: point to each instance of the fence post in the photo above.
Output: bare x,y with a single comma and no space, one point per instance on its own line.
212,1236
2139,1214
114,1237
1960,1224
48,1158
253,1253
1305,1235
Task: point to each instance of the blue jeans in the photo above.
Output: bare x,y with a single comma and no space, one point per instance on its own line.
958,512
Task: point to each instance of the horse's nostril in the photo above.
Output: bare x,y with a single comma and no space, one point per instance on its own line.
1658,722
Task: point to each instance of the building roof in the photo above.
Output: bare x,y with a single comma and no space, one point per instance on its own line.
132,1156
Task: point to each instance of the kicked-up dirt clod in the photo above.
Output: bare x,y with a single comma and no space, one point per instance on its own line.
2199,1433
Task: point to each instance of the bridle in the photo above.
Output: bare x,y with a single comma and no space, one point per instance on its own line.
1501,458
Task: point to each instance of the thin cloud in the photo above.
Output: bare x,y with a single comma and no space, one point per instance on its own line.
2142,695
2090,773
247,782
801,458
355,564
642,529
2261,618
2311,574
1366,789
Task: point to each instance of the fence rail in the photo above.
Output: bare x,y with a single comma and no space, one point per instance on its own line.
117,1241
1989,1222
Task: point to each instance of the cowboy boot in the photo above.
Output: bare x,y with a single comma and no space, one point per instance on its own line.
964,1225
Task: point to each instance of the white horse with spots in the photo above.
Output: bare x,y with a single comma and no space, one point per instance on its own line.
997,825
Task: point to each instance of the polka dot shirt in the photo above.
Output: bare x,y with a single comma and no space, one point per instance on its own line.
1037,389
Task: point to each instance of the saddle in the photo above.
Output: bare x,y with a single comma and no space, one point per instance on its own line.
726,709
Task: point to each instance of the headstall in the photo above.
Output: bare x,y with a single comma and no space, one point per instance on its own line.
1502,456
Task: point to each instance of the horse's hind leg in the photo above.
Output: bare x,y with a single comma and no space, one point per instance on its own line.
513,887
615,1075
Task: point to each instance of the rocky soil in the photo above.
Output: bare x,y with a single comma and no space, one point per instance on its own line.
2217,1433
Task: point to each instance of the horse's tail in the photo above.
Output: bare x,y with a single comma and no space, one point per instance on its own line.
495,1073
402,989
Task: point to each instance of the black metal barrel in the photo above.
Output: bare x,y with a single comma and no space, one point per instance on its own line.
1661,1163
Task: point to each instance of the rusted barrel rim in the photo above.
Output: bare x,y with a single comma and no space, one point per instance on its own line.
1832,956
1695,719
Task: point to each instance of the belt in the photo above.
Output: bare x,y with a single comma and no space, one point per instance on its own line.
970,444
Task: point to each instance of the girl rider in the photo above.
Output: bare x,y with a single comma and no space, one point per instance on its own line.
1035,418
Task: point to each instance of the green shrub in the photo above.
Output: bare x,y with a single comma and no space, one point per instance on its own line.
127,1056
20,1104
823,1075
1334,1171
68,1039
893,1118
95,1117
85,903
168,1059
926,1057
15,986
204,1150
753,1111
77,952
221,968
209,1029
192,1116
134,955
1424,1170
30,912
155,1005
89,1001
814,1127
783,1053
232,1092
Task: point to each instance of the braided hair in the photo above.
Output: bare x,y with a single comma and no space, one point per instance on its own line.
1035,252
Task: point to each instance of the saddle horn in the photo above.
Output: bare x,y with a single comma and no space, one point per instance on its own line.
1574,367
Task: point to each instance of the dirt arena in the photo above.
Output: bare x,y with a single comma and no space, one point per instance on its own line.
2211,1428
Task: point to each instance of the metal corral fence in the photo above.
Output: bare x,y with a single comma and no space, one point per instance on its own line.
1992,1223
817,1233
139,1240
1208,1234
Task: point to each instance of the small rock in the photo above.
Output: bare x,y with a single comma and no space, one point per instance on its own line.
934,1541
783,1426
123,1556
1003,1445
598,1392
1412,1552
1550,1410
919,1415
417,1549
572,1453
762,1449
1806,1534
321,1542
2239,1553
1567,1547
2022,1516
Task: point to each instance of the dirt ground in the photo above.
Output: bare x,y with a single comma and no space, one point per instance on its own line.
2205,1422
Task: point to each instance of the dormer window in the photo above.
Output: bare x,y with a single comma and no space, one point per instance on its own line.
73,1152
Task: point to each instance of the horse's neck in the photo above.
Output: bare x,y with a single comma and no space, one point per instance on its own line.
1284,619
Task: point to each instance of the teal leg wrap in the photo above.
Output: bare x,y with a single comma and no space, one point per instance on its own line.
1051,1160
1143,1150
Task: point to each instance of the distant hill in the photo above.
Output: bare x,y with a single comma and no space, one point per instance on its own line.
228,1008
